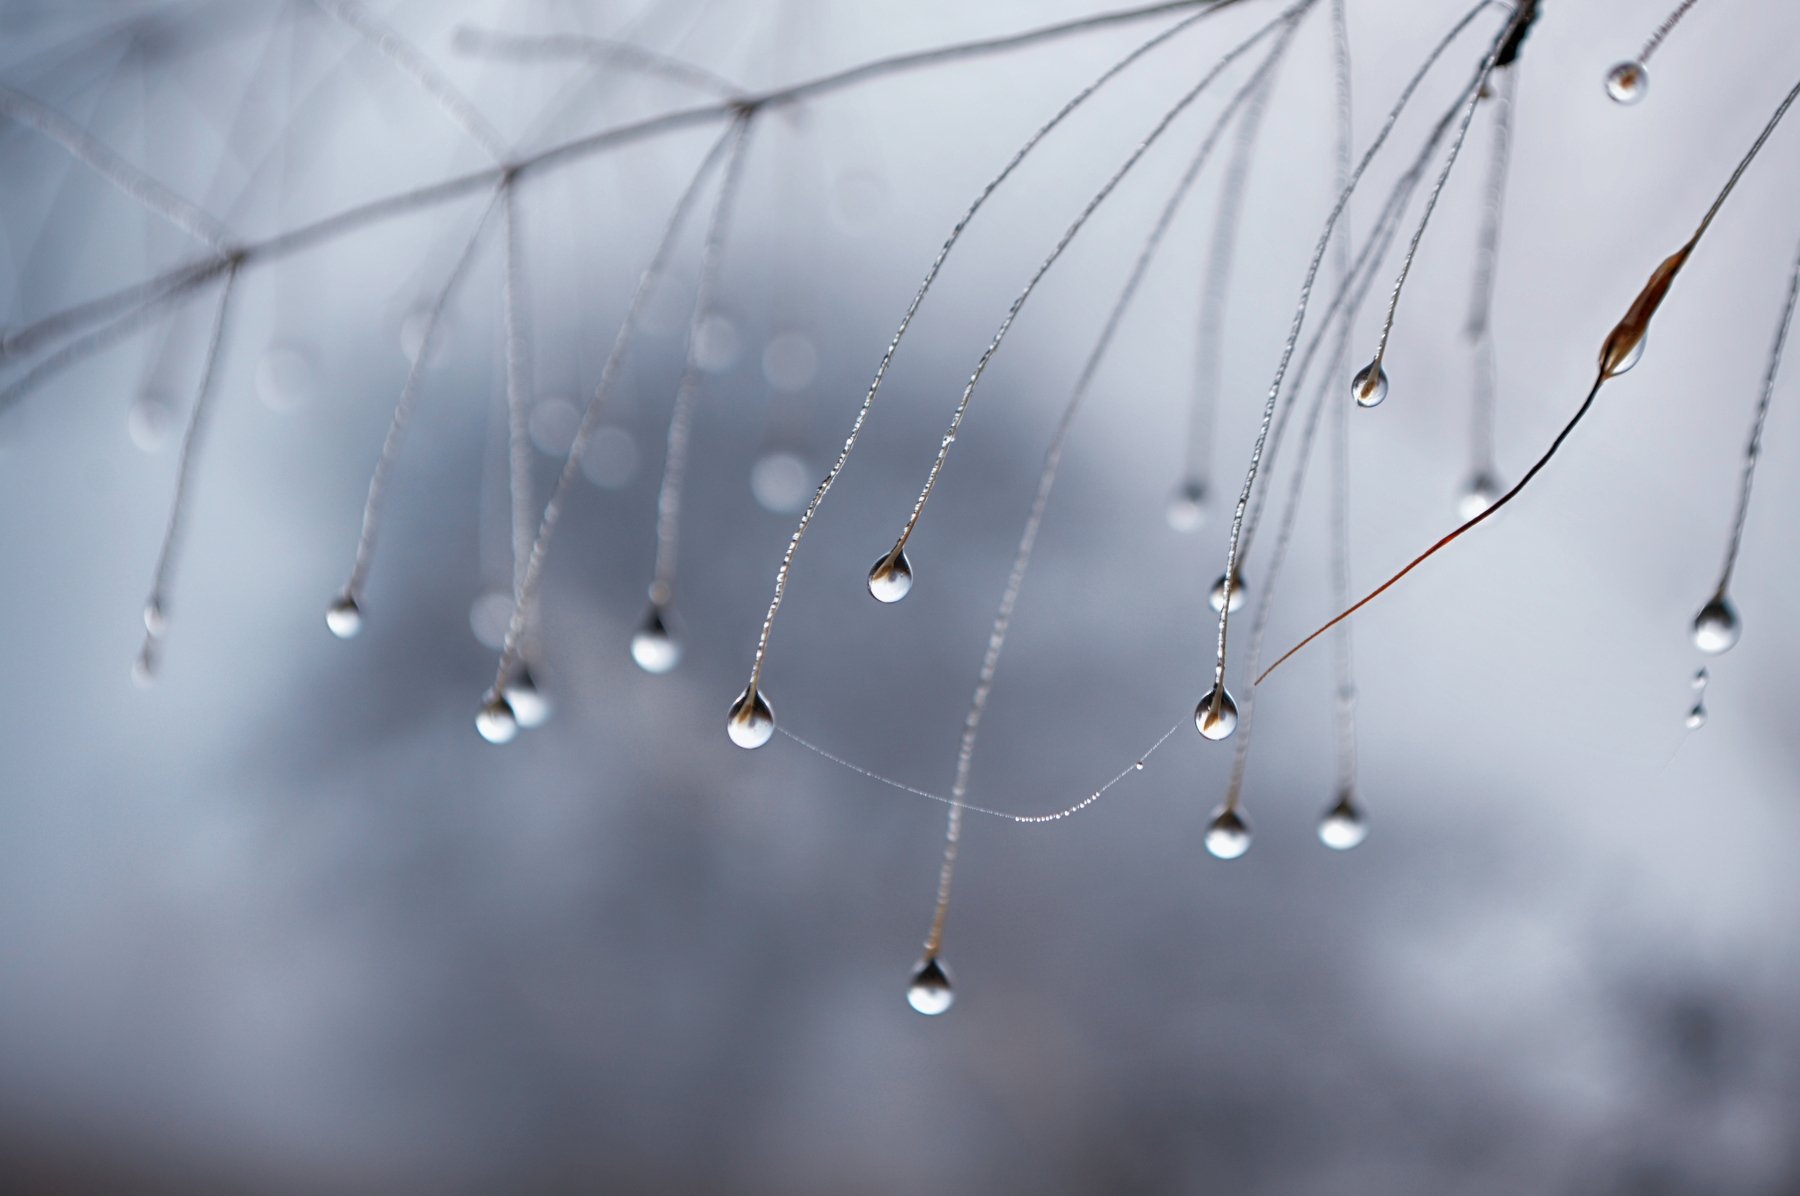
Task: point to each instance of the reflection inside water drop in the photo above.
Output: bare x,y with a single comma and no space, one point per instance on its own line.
1626,82
1216,721
1228,836
751,722
1716,626
653,646
930,991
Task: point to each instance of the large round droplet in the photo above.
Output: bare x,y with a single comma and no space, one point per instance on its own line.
1216,598
1228,836
529,705
496,720
1627,82
156,620
1343,825
1216,721
750,723
1187,510
780,481
1478,494
1370,385
890,578
653,646
930,992
1716,626
343,616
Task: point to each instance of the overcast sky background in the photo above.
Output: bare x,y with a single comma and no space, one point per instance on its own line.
284,922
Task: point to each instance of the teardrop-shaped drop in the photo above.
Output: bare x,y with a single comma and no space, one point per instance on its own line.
1216,722
1626,82
1216,599
930,992
1696,717
751,723
1632,356
1343,825
1187,510
1478,494
496,720
1228,836
890,578
156,620
653,646
1370,385
1716,626
529,705
343,616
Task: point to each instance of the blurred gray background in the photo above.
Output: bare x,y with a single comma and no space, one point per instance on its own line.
283,922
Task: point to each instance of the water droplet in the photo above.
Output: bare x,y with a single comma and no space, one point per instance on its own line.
653,646
1187,510
790,362
496,720
610,461
1216,598
285,377
1632,356
750,723
1701,677
780,481
930,992
490,616
529,705
1343,825
344,616
156,620
551,424
1216,723
1696,718
1627,82
716,343
1370,385
1716,626
150,420
1478,495
1139,766
890,578
1228,836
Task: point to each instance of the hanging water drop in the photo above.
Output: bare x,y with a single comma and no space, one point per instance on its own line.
1216,721
653,646
1632,356
1370,385
529,705
1228,836
1187,510
1716,626
1216,598
1626,82
930,992
496,720
1696,717
344,616
156,620
890,578
750,723
1343,825
1477,496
